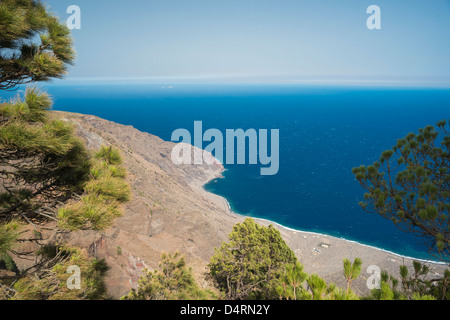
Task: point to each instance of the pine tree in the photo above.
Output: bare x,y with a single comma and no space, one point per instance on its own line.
251,265
295,276
410,185
416,286
351,271
173,281
46,172
34,44
49,281
43,163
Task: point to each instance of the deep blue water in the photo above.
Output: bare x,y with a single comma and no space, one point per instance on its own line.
324,133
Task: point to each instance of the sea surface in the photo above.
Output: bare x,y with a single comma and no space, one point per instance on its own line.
324,131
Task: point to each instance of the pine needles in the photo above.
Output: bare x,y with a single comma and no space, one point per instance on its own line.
103,195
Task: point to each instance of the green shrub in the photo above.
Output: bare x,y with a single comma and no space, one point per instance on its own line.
9,232
103,193
108,186
52,283
252,264
174,281
91,212
109,154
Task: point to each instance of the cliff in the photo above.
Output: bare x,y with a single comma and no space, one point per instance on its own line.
170,211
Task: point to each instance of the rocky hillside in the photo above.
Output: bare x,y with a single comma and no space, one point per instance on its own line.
171,211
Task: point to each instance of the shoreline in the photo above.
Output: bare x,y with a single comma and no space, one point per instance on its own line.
298,231
200,220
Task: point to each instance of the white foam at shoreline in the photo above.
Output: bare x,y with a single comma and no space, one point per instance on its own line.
319,234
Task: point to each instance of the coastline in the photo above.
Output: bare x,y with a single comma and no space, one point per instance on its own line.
300,232
171,210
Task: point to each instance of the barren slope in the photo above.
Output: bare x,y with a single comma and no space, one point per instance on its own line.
171,211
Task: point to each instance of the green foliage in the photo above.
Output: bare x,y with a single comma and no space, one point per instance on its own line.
103,194
43,165
9,232
174,281
416,286
52,283
318,287
43,162
320,290
110,187
103,168
34,45
7,263
292,282
351,271
30,109
109,154
252,263
91,212
256,263
410,185
294,287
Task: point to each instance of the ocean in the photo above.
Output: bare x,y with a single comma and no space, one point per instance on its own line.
324,132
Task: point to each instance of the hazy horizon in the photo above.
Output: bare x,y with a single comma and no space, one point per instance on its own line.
265,41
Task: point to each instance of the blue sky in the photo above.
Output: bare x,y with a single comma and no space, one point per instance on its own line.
269,40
